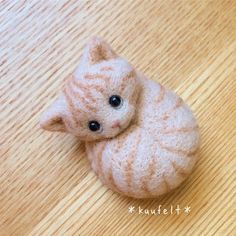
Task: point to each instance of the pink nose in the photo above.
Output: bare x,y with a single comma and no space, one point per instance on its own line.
116,124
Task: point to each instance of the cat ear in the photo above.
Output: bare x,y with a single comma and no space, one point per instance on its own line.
53,117
98,50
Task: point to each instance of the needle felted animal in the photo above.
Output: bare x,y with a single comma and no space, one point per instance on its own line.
140,137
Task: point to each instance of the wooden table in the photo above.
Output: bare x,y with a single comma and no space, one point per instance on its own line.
47,186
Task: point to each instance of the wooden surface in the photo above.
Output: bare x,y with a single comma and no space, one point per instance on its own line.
46,184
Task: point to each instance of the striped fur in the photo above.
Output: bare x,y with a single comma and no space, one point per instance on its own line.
153,150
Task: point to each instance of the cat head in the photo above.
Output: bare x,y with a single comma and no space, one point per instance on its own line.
98,100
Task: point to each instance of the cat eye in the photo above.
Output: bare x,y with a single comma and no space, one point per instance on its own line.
94,126
115,101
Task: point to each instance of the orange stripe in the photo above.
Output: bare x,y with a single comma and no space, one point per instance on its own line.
96,76
168,188
99,156
178,104
167,114
71,107
89,87
98,88
149,173
125,79
86,103
120,142
135,95
112,182
107,68
180,130
85,89
99,76
129,169
68,92
164,117
177,151
92,146
161,94
179,170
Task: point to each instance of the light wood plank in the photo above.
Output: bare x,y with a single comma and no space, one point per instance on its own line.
47,186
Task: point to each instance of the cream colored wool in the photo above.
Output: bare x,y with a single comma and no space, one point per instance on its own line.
145,147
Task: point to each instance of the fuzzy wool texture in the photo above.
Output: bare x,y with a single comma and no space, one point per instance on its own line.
154,147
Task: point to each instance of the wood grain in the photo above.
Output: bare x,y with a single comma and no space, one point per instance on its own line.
47,186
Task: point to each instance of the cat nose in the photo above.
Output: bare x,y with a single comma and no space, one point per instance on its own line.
116,124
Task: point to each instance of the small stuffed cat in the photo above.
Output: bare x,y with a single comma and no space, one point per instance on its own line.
140,137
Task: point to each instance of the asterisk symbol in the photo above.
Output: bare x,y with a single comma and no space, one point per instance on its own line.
187,209
131,209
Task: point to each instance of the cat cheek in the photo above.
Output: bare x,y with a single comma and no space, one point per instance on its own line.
130,113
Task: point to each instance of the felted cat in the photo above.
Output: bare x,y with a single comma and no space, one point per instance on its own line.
140,137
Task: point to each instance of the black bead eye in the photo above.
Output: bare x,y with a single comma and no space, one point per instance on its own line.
115,101
94,125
